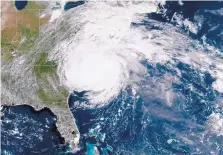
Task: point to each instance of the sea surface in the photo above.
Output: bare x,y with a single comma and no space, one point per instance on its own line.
27,131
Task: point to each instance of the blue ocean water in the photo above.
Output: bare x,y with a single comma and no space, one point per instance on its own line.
135,124
206,14
144,124
25,131
20,4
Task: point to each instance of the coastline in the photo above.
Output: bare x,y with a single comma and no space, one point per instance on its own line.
64,124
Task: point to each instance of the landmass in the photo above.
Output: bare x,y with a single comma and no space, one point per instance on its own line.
28,74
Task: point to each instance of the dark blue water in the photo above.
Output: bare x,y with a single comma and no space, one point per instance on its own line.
20,4
25,131
70,5
207,15
144,124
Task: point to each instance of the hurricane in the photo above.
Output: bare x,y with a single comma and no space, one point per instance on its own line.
143,82
144,77
104,57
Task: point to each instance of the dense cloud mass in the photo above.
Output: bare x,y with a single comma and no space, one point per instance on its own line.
104,55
